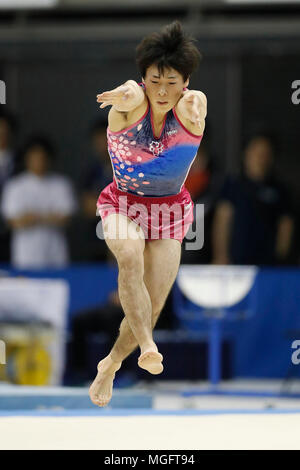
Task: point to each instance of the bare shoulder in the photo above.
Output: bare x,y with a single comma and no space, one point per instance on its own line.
117,121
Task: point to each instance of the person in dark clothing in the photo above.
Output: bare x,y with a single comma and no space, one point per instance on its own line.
8,129
96,175
253,223
204,182
104,320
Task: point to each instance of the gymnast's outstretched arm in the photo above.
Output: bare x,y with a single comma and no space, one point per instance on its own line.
124,98
192,107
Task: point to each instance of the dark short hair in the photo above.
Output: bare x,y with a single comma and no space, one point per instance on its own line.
41,141
170,48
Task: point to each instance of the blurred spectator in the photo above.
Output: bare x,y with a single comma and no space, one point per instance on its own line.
7,167
253,222
37,204
105,320
97,174
199,176
204,183
7,151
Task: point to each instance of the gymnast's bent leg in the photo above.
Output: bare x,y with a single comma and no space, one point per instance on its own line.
135,300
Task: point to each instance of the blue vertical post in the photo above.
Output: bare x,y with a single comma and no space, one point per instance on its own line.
214,352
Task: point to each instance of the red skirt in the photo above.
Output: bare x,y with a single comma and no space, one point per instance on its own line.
167,217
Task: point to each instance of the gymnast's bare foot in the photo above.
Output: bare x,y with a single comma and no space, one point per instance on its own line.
151,360
101,389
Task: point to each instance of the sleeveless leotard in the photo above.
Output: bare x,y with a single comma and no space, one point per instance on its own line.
149,165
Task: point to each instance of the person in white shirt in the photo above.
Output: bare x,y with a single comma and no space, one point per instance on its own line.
37,205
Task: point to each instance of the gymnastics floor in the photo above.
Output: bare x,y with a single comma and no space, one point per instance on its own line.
164,419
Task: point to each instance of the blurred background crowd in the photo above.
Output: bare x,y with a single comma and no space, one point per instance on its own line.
53,150
250,215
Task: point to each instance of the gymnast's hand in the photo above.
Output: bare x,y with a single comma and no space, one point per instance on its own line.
193,106
124,98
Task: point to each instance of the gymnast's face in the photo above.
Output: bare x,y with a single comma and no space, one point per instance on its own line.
164,90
